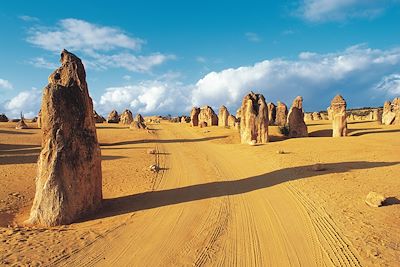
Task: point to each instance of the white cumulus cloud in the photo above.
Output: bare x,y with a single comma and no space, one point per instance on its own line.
28,18
78,35
40,62
100,46
27,102
390,85
147,97
340,10
5,84
317,77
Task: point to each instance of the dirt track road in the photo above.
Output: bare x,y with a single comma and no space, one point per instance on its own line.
214,205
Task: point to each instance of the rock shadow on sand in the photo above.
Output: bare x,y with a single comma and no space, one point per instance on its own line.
163,141
154,199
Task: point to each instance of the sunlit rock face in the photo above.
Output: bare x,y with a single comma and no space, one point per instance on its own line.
69,179
223,115
281,114
208,116
339,118
297,126
254,119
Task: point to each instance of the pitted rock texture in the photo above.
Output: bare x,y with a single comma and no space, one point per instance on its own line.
69,179
254,119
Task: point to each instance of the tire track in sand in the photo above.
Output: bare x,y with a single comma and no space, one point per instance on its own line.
335,244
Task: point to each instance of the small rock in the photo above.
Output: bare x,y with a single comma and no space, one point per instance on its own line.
374,199
373,252
9,231
154,168
253,142
280,152
318,167
151,151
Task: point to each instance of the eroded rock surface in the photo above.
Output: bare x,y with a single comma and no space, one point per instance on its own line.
223,115
271,113
208,115
391,112
98,118
3,118
113,117
316,116
69,179
339,119
126,117
21,124
232,121
138,123
297,126
281,114
254,119
194,116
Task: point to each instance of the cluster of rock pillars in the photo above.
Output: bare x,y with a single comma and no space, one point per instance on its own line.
69,179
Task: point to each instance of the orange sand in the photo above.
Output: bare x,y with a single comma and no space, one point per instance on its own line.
215,201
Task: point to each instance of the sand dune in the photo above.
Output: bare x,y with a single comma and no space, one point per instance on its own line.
215,201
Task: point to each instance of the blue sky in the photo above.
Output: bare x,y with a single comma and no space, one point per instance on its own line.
159,57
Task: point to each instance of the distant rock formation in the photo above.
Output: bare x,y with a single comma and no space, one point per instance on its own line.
208,115
232,122
391,112
135,125
271,113
223,115
139,118
138,123
98,118
297,126
254,119
39,119
308,117
281,114
388,115
113,117
377,115
174,119
185,119
3,118
126,117
194,116
330,114
316,116
21,124
238,115
396,110
69,181
203,124
324,116
339,119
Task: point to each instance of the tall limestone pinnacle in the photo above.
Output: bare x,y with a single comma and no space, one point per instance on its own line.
254,119
295,118
69,178
339,118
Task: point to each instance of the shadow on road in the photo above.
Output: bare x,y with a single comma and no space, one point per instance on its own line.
163,141
155,199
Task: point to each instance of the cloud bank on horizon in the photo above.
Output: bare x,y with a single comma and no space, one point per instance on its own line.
364,75
359,73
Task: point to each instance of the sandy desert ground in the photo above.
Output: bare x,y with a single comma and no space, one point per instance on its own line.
215,201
